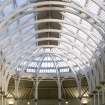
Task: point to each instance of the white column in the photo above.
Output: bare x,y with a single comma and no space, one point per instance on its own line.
5,97
16,89
2,79
59,91
36,90
2,100
103,95
79,88
98,95
94,98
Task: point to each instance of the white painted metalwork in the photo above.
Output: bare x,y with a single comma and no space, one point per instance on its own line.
81,42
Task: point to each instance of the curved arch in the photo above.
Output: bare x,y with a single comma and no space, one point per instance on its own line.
66,33
84,82
72,23
13,84
71,52
66,43
67,30
74,73
89,33
84,72
100,4
78,9
76,78
22,86
70,84
51,2
52,19
52,47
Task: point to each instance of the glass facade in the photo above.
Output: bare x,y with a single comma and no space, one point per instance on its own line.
81,34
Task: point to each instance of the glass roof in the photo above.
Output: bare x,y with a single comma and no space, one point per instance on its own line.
81,35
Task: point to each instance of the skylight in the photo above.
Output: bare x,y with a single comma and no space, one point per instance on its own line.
71,43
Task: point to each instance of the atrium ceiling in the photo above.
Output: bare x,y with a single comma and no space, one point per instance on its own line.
58,40
51,34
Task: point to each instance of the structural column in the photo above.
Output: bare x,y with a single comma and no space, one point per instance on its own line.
59,91
98,95
5,99
94,98
79,89
2,98
36,90
103,94
16,89
1,89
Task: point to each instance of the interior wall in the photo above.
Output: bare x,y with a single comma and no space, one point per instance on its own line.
50,102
